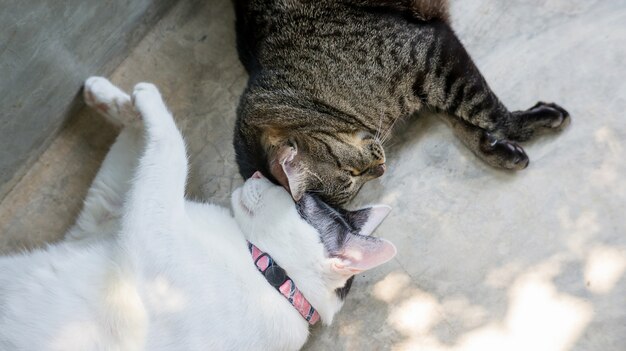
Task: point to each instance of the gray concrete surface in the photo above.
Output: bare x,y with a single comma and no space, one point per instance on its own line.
46,48
487,260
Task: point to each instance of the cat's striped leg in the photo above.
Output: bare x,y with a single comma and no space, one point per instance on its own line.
450,82
494,136
102,207
155,201
502,153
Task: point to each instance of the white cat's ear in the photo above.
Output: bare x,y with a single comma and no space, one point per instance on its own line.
361,253
287,171
366,220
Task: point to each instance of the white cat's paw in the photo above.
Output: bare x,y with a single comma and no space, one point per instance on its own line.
108,99
149,103
146,87
147,99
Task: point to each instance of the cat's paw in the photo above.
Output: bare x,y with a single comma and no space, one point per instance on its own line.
552,115
149,103
542,118
147,99
503,153
108,99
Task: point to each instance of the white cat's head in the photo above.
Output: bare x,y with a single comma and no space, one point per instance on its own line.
320,247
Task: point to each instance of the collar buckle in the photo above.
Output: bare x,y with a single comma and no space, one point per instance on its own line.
275,275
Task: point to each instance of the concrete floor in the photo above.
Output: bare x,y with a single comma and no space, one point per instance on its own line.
487,260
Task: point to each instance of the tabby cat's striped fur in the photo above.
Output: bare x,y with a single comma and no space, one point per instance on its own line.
328,79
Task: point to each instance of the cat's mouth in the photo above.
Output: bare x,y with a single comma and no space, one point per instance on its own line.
378,170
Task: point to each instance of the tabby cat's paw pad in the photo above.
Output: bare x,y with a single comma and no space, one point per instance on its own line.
504,153
556,117
105,97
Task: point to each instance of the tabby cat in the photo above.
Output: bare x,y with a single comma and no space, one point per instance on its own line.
329,78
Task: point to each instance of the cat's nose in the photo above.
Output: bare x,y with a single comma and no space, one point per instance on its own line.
257,175
379,170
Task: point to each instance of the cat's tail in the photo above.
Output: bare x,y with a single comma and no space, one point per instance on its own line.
425,10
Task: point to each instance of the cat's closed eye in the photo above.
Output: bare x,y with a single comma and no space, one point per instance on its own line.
358,173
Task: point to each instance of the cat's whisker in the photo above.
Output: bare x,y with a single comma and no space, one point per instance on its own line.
388,131
378,130
391,145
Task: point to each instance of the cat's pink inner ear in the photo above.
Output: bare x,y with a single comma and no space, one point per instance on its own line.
376,215
296,183
285,169
363,253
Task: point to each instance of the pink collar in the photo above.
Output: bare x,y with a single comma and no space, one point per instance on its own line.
277,277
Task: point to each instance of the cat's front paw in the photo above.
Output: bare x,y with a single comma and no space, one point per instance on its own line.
109,100
540,119
553,115
147,99
149,103
503,153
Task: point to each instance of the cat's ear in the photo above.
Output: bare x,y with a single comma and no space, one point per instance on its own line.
366,220
361,253
288,171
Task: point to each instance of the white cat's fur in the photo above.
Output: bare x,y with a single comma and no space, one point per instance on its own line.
144,269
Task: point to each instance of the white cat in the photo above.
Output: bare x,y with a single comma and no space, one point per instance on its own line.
144,269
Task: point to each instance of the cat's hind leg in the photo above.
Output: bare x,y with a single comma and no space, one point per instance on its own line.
155,202
499,146
450,82
103,205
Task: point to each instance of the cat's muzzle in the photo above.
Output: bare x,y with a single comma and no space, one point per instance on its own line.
379,170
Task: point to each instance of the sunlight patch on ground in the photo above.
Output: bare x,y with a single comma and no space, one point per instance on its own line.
605,266
539,318
389,288
459,308
416,315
